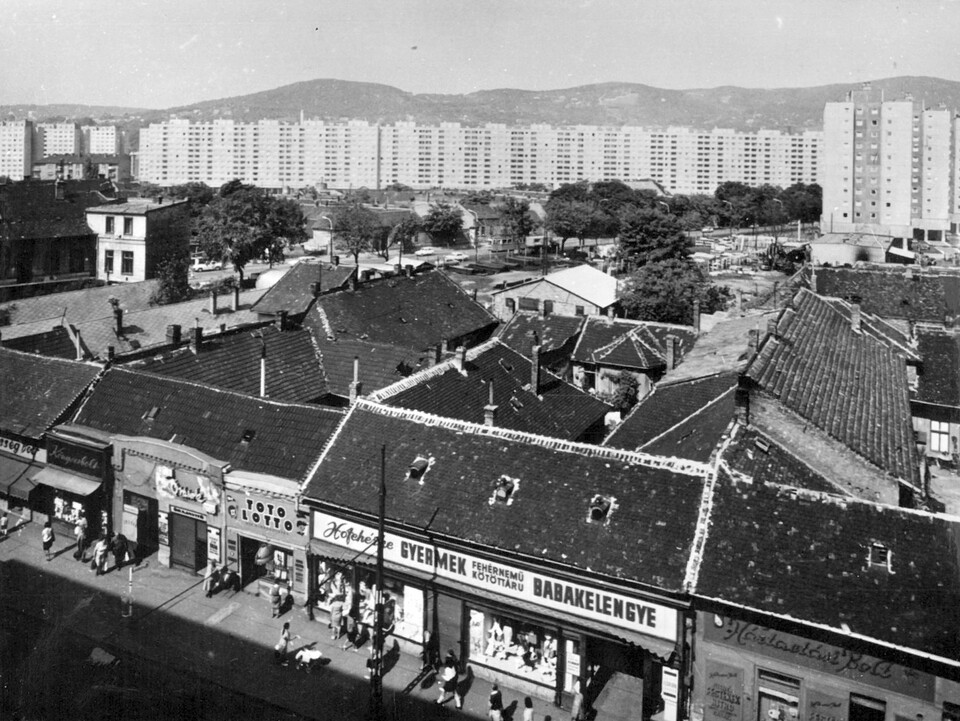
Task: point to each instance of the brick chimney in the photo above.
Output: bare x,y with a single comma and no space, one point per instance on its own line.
408,270
696,316
118,318
58,189
460,359
437,354
352,283
490,410
235,299
197,337
282,320
213,302
355,386
671,352
110,352
173,334
263,367
314,291
79,344
535,370
855,317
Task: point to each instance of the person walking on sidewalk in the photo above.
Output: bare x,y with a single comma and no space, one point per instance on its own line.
3,525
80,532
275,600
449,677
100,555
528,709
280,650
336,616
119,549
209,577
46,540
495,713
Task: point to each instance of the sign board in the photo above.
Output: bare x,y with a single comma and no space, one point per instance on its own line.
615,609
723,693
22,450
89,460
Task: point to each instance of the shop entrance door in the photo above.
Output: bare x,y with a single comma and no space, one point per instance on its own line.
188,542
139,523
249,570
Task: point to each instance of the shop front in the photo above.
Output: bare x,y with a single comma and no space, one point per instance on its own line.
168,498
76,482
547,635
748,672
20,460
265,540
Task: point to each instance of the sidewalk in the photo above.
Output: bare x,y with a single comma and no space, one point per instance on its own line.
227,639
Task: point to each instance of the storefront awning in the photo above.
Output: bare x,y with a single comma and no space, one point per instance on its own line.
14,476
64,481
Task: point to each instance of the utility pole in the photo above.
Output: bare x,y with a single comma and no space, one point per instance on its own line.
376,673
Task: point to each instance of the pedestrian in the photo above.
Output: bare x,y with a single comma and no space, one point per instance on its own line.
280,650
229,580
528,709
496,704
119,548
3,525
210,577
371,662
448,682
100,555
80,532
576,703
46,538
275,600
336,616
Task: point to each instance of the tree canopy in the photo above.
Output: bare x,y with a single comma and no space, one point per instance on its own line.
444,223
515,219
664,291
356,229
648,235
173,281
243,224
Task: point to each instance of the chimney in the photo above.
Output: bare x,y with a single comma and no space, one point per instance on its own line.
671,348
314,291
352,283
58,189
319,289
118,317
78,344
535,370
263,367
281,320
213,302
855,317
408,270
159,200
197,337
696,316
336,260
490,410
437,354
110,353
813,277
235,299
355,385
610,312
460,359
173,334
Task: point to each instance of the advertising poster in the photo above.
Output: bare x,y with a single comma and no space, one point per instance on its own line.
723,693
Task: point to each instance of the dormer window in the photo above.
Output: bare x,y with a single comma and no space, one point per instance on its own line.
248,435
504,490
878,555
151,415
418,469
600,509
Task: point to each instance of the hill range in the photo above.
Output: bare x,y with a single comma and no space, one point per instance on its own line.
599,104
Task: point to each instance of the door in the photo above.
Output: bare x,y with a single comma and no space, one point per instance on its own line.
188,542
449,617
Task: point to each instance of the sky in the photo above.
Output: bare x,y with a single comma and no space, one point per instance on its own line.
167,53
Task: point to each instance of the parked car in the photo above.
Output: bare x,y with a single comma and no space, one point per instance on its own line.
200,264
427,250
457,257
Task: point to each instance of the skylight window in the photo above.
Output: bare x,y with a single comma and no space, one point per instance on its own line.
248,435
879,555
504,490
601,508
418,469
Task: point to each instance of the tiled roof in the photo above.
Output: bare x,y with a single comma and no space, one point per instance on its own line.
805,556
526,329
29,209
939,381
723,347
147,328
35,392
81,305
894,291
680,418
379,365
416,312
648,536
851,385
293,370
758,456
292,292
557,408
55,343
631,344
286,438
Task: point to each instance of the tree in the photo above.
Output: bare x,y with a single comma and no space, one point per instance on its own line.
627,393
572,191
515,219
90,169
444,223
173,284
243,224
664,291
403,234
803,202
647,235
569,219
356,229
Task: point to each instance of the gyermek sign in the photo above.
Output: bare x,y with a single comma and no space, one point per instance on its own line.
90,460
549,592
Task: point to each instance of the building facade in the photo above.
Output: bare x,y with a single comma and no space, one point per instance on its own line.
275,155
16,137
889,166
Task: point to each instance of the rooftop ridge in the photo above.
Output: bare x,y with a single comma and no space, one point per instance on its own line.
696,413
701,532
675,465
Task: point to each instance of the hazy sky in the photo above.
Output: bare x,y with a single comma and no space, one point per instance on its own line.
165,53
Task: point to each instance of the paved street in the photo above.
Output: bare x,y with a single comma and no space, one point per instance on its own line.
181,655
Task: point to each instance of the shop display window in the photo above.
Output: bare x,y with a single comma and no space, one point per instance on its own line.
778,697
864,708
402,605
514,647
66,510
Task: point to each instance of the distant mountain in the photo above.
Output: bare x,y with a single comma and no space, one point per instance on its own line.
600,104
68,112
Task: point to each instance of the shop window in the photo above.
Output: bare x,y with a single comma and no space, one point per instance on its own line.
778,697
939,437
513,647
864,708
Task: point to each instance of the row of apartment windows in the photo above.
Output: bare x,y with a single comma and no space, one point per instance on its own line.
126,262
110,225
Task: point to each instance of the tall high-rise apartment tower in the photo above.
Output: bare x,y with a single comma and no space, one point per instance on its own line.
890,167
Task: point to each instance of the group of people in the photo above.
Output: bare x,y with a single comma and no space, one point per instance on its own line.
101,549
218,578
355,620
